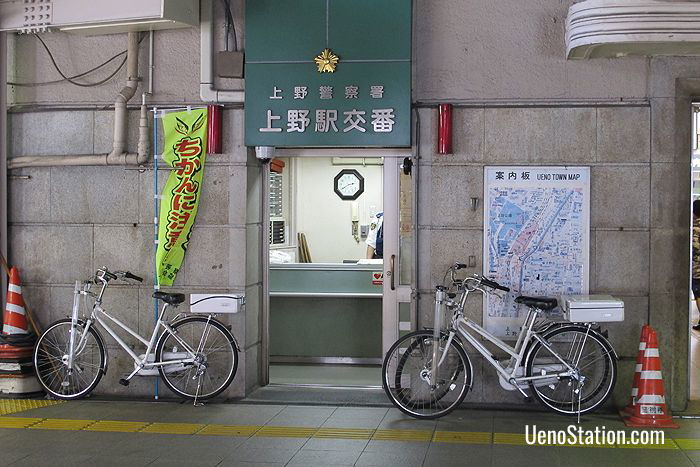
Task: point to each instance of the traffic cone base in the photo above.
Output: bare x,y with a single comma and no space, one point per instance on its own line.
19,385
648,408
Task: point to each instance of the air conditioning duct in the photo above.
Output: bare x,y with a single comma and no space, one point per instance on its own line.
97,16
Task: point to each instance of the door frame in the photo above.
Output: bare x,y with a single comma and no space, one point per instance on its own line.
392,158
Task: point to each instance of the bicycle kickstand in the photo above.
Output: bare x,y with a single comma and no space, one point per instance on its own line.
196,395
517,386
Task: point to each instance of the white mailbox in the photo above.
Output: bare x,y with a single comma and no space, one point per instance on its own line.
216,303
592,308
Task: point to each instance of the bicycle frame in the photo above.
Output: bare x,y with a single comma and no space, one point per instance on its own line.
465,327
97,316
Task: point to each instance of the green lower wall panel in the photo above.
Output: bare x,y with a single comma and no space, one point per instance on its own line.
326,327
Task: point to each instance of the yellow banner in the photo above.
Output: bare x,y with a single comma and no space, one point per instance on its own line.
185,150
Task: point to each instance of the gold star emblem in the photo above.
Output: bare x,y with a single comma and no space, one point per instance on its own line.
326,61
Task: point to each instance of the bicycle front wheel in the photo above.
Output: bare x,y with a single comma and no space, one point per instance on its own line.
406,376
589,354
51,360
216,358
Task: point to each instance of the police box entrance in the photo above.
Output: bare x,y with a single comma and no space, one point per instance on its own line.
339,279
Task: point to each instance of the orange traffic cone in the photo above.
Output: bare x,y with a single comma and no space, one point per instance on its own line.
638,369
15,318
650,408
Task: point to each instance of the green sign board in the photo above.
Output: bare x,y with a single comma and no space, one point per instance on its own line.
363,96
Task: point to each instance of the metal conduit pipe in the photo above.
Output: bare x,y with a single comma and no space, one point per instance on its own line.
118,155
207,87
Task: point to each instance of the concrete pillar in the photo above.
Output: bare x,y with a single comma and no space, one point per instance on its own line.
3,159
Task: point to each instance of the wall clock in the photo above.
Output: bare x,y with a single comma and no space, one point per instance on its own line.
349,184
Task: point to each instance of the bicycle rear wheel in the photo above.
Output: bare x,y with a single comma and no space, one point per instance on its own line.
216,358
406,376
51,360
587,352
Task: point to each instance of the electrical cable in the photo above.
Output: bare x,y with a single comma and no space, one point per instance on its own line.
80,75
70,79
230,25
63,75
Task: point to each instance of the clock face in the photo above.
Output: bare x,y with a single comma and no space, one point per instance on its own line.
349,184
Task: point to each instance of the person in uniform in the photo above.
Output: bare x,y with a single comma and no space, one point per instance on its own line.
375,238
696,256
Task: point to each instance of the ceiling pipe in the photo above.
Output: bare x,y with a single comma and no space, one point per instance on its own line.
118,155
207,87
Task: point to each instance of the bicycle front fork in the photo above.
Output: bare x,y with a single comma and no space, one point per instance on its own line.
73,325
440,294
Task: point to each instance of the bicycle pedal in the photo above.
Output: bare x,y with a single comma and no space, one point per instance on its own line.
124,382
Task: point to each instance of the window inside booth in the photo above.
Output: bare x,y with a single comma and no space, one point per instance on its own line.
325,324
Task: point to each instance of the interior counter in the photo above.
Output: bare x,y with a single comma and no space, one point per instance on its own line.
325,313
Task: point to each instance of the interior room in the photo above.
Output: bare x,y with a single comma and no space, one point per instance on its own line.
325,303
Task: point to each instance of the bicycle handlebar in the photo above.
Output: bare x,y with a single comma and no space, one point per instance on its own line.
105,275
494,284
129,275
479,278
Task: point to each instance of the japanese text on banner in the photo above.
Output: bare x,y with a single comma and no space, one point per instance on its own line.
184,150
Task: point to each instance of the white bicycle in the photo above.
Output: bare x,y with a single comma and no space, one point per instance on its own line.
571,368
196,356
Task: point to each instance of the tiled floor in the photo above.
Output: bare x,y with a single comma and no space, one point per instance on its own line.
336,375
309,435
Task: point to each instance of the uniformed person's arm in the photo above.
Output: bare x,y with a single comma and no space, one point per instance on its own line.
370,252
372,238
696,245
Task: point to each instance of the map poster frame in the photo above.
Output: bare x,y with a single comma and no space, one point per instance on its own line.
552,261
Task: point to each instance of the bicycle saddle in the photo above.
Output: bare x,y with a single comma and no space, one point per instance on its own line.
170,298
541,303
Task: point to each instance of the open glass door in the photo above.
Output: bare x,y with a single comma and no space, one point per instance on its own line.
398,307
347,308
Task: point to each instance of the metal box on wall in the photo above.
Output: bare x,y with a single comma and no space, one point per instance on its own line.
97,16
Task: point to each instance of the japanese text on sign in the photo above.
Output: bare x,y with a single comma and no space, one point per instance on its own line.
325,120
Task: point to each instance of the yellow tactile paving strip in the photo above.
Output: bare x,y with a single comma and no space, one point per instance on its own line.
229,430
462,437
344,433
8,406
61,424
18,422
115,426
172,428
402,435
247,431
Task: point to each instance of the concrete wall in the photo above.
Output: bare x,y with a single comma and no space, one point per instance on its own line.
65,222
521,102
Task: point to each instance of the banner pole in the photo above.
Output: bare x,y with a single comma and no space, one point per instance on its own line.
156,284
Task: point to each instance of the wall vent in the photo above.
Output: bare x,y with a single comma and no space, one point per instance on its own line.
277,232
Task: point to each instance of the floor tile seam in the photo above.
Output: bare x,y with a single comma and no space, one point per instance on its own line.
20,459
